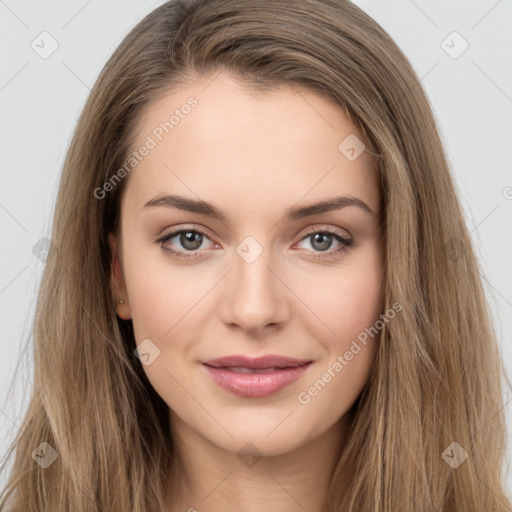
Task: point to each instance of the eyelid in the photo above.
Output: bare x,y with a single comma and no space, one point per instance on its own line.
325,228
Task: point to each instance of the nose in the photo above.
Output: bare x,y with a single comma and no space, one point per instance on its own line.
255,298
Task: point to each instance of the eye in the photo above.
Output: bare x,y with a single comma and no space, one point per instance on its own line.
322,240
191,240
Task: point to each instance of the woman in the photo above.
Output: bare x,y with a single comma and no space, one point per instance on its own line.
252,299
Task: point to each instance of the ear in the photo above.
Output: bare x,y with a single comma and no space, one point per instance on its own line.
117,282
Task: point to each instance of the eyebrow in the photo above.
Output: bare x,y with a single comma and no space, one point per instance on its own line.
204,208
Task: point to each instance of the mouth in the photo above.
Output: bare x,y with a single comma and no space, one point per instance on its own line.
242,369
257,377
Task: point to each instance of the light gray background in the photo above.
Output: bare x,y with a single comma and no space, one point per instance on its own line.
40,100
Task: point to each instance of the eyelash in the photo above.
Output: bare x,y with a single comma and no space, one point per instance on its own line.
346,243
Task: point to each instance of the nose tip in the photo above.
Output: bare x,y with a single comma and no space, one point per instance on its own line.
254,297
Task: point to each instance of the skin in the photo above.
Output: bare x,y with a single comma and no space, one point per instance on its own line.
253,157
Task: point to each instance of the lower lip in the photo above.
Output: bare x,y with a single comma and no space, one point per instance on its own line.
255,385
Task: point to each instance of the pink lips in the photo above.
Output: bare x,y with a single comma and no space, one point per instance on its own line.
255,377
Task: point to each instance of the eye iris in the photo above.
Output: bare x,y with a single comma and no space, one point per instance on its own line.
187,237
324,239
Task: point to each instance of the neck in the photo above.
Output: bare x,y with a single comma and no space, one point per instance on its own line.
206,478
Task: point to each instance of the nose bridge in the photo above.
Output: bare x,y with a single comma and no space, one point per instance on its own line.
255,296
252,270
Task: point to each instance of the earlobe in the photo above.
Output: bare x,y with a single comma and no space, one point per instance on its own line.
117,284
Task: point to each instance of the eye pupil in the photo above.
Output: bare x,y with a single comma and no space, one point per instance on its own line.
324,239
191,237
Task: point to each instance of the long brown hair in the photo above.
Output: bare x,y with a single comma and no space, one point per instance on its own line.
437,379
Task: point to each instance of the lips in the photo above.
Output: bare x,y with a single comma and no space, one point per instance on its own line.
242,369
263,362
255,377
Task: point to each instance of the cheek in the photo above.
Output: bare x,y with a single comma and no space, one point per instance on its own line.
170,305
352,298
160,293
350,307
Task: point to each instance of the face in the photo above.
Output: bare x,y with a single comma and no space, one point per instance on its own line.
237,263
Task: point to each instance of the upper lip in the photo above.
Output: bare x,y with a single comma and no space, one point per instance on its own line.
268,361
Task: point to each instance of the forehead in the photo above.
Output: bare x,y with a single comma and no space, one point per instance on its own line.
215,138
